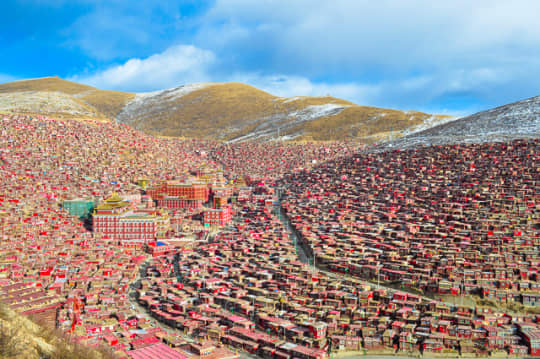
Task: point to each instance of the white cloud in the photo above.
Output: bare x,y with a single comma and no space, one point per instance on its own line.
181,64
393,53
289,86
177,65
184,64
394,33
487,50
118,29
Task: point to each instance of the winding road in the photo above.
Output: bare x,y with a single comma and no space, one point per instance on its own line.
306,257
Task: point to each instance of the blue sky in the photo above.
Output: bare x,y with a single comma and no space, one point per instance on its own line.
453,57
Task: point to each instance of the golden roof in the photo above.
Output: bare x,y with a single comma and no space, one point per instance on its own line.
115,201
114,198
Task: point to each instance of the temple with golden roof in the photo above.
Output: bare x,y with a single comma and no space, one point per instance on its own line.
119,219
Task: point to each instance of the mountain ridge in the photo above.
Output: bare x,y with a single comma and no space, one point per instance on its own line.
520,119
223,111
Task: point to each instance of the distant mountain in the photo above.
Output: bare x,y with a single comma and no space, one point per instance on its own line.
223,111
53,95
516,120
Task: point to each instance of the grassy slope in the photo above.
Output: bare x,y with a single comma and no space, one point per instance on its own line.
204,112
20,337
362,122
45,84
106,103
109,103
230,110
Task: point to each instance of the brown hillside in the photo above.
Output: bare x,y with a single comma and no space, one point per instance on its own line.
208,112
223,111
106,103
21,337
363,123
45,84
109,103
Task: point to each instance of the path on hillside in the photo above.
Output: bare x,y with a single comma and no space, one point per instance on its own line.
300,251
305,257
132,295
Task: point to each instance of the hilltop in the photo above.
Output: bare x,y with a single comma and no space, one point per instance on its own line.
237,112
519,119
53,95
222,111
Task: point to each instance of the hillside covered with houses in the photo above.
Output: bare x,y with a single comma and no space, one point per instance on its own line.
145,246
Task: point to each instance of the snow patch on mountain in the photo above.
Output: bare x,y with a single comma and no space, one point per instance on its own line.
505,123
315,111
276,126
173,93
43,102
291,99
142,102
429,122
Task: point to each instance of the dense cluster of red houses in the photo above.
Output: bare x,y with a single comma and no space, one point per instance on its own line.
451,219
272,160
456,219
247,289
51,266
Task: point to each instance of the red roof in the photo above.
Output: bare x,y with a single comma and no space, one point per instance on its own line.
160,350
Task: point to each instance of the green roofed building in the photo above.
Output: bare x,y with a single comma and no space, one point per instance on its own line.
80,207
